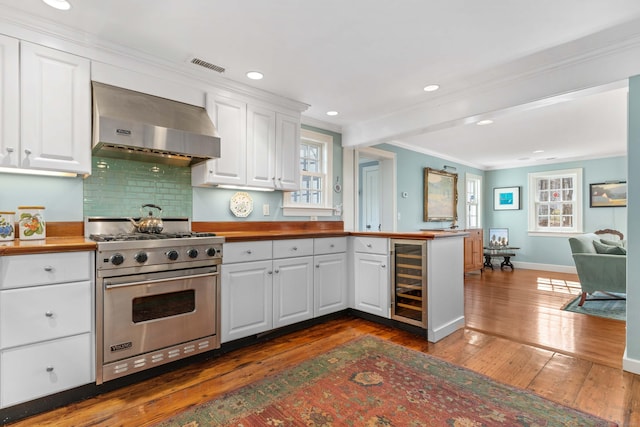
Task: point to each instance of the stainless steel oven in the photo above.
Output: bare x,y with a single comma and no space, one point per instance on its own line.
157,296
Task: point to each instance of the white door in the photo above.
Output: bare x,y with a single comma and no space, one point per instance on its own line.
230,119
261,147
292,290
371,198
247,299
9,102
330,283
372,284
55,109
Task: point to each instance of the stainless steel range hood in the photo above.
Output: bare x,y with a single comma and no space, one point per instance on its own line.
137,126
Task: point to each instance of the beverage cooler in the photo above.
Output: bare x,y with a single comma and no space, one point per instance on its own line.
409,281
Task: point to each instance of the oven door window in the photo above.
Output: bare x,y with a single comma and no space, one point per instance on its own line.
163,305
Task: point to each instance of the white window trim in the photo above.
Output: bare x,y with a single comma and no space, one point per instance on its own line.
326,209
473,177
578,220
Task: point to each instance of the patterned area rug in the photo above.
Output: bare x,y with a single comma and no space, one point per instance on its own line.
371,382
609,308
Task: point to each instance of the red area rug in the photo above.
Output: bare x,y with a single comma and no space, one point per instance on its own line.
371,382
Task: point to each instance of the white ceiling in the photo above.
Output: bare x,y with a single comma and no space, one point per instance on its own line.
370,59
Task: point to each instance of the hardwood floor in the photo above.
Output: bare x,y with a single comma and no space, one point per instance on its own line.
516,334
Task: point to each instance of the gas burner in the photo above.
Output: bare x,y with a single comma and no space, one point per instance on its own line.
125,237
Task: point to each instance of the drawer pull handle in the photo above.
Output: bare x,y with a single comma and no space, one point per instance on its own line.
383,266
369,245
48,268
277,271
249,251
269,272
49,314
49,368
317,265
332,245
295,248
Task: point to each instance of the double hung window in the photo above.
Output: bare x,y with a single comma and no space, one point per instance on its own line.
555,201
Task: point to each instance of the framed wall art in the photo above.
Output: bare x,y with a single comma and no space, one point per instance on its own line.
440,195
506,198
608,195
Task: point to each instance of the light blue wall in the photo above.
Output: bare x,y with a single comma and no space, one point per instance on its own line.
61,197
410,179
553,250
633,227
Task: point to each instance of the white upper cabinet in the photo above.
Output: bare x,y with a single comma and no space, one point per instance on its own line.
259,146
287,152
230,119
55,110
9,101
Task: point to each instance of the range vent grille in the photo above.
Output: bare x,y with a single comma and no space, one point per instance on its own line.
209,65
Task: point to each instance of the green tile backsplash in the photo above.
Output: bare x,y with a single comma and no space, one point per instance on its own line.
120,187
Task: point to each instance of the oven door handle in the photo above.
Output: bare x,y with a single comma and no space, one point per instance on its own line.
110,285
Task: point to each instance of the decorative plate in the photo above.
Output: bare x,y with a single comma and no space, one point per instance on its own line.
241,204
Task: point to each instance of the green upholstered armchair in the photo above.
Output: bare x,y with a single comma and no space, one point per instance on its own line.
597,269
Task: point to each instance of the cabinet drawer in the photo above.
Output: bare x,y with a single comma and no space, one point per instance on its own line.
30,315
18,271
371,245
329,245
246,251
38,370
292,248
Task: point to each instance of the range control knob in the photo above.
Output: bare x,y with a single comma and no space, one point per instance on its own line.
212,251
117,259
141,257
172,255
193,253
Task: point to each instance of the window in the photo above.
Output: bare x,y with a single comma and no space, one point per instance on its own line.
555,201
473,197
315,196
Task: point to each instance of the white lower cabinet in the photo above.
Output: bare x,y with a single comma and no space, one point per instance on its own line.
47,330
371,276
292,290
269,284
247,295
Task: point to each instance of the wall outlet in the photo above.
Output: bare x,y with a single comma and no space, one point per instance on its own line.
313,218
265,209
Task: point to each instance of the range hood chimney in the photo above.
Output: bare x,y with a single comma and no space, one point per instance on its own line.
136,126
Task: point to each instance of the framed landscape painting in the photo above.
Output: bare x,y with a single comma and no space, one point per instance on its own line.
440,195
506,198
608,195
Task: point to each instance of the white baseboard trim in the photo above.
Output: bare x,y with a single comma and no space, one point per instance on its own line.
630,365
435,335
546,267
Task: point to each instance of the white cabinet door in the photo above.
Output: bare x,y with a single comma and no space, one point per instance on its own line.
261,147
372,284
287,152
230,119
329,283
292,290
247,299
55,110
9,102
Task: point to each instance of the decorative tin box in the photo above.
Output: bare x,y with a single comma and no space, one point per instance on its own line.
7,231
31,222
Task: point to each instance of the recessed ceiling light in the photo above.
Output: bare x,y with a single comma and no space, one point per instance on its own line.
58,4
255,75
431,88
332,113
484,122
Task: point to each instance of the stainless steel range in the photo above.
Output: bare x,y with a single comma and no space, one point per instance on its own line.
157,294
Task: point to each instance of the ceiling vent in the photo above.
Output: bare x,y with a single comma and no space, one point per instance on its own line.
208,65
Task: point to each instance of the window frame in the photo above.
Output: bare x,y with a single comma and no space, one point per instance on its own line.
291,208
470,177
578,209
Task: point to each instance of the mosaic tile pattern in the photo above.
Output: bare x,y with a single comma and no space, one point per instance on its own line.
120,187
